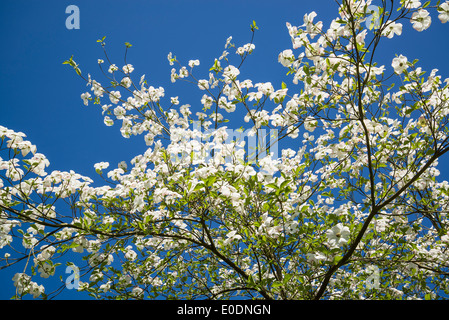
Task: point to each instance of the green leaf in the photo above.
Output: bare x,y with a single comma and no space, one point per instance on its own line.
210,181
272,185
287,278
284,184
254,26
70,61
283,85
337,259
251,281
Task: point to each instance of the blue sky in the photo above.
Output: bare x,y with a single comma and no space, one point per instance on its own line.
41,96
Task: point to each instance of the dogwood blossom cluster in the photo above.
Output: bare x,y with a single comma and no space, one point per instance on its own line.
352,191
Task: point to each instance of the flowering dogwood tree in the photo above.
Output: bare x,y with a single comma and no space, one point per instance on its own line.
353,191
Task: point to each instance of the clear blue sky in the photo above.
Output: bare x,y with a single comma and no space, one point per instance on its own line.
41,96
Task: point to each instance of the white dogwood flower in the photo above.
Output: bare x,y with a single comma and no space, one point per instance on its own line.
443,9
421,20
399,64
338,235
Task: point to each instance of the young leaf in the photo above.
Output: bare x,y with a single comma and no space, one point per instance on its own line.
283,85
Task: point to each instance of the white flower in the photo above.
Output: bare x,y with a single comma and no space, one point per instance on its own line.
108,121
360,38
142,79
47,253
265,88
201,115
230,73
46,270
286,58
225,191
203,84
126,82
399,64
249,47
444,12
193,63
268,165
338,235
183,72
316,257
108,220
310,124
223,56
207,101
392,29
114,96
97,89
128,68
130,254
224,104
112,68
137,292
85,96
235,196
232,236
246,84
122,165
101,165
24,284
228,41
119,112
311,28
174,100
105,108
308,18
170,58
421,20
173,75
